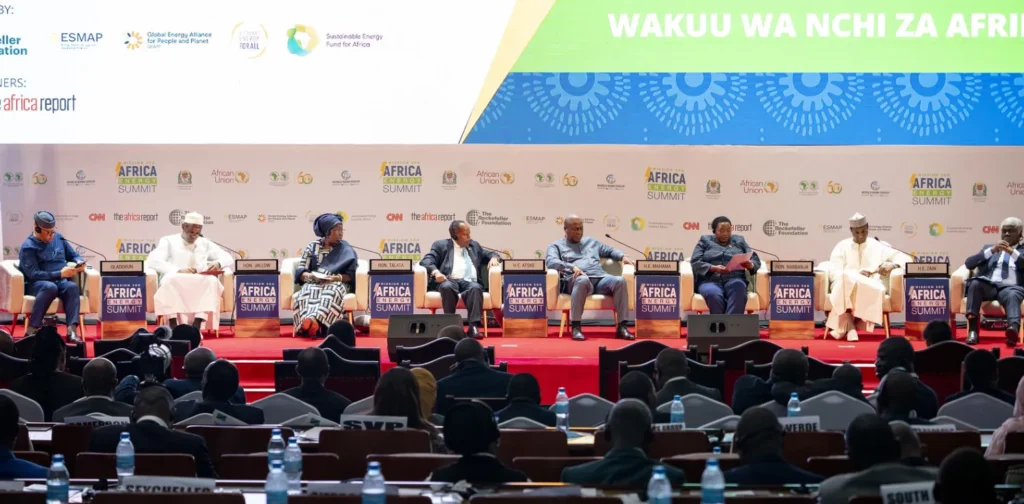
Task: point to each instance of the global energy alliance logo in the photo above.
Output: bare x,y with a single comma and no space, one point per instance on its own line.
665,183
133,40
136,177
12,46
302,39
401,177
929,189
401,249
250,39
134,249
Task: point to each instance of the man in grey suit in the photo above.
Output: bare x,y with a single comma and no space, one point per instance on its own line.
99,377
873,448
577,259
999,276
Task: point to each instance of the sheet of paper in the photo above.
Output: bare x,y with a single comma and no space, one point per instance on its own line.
737,260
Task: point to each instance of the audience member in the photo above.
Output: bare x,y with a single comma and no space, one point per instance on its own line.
873,449
427,386
220,381
980,368
636,385
10,467
897,399
398,395
151,431
186,332
898,353
524,401
195,365
47,383
452,332
344,331
629,429
153,363
671,369
997,446
965,478
312,368
937,331
6,343
473,377
472,433
758,440
99,377
846,379
788,375
910,445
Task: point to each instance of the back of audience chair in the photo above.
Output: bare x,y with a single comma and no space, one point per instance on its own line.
24,497
547,469
253,466
12,368
664,444
411,466
528,499
104,465
708,375
353,446
937,445
355,499
531,443
223,440
36,457
735,358
1015,442
70,440
832,466
1010,371
608,364
798,447
24,442
169,498
693,464
940,367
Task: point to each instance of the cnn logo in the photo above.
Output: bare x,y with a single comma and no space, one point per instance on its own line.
990,229
691,226
97,217
394,217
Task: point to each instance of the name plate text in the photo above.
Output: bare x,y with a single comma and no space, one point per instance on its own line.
256,266
927,269
122,267
801,424
805,267
390,265
523,266
657,266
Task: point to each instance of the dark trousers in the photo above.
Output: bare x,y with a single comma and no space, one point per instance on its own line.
472,296
45,292
1009,297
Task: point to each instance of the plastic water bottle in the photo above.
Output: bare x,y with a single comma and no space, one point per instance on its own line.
277,484
562,410
659,489
293,466
374,491
678,415
275,450
717,450
57,481
712,484
125,458
793,407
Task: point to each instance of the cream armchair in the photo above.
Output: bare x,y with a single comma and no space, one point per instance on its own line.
227,300
559,301
892,303
691,300
432,300
352,302
958,295
14,301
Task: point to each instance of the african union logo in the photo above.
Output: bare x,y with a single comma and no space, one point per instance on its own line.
665,183
508,178
637,224
133,40
833,187
302,40
12,179
936,229
570,180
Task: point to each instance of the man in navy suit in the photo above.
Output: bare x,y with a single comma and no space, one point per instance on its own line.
758,440
999,275
473,377
458,266
10,466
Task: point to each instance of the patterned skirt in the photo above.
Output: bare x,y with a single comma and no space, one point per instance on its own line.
323,302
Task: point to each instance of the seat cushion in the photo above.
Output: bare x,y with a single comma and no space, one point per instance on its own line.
594,302
988,308
433,301
55,307
886,304
700,305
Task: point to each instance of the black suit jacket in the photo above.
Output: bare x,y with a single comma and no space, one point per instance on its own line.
87,405
471,379
330,404
478,469
440,259
178,388
151,437
628,467
51,390
527,409
1002,395
750,391
771,470
682,387
247,414
985,267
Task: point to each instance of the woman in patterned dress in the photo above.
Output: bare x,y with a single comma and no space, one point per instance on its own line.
326,272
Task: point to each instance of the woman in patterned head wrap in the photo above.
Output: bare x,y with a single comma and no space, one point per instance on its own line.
326,272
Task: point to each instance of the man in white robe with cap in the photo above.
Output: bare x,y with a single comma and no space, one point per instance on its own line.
858,265
188,265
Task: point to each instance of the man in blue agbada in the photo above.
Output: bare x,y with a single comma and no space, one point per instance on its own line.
44,259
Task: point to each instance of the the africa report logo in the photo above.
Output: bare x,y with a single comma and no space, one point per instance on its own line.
302,40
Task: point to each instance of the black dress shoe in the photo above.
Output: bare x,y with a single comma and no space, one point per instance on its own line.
73,335
1011,336
623,333
577,333
473,332
972,338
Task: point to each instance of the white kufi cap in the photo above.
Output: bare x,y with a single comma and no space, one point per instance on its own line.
193,218
858,220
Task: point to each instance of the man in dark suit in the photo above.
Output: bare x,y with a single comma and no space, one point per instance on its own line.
10,467
47,383
999,275
459,266
629,428
151,432
473,377
195,364
788,375
637,385
220,381
671,370
99,377
910,445
896,353
980,366
313,368
524,401
758,440
473,434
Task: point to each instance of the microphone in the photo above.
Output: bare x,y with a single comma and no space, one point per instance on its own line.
502,252
606,235
374,252
908,254
84,247
765,252
222,246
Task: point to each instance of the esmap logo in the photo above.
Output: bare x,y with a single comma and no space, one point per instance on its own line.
250,39
401,177
931,189
75,41
665,183
235,218
134,249
136,177
831,228
400,249
302,39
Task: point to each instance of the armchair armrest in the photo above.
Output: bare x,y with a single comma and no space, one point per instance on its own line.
286,289
551,288
761,286
93,291
419,286
896,290
826,268
685,286
820,289
227,302
958,288
362,285
494,286
13,282
152,283
629,275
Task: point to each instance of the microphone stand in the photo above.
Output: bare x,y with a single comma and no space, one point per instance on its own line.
606,235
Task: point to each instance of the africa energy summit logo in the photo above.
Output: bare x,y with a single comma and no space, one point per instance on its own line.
302,40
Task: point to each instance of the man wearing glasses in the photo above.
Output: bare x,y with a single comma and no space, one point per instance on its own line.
44,259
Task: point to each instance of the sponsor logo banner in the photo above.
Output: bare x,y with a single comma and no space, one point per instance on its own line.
390,295
525,296
124,299
792,298
257,296
927,299
657,297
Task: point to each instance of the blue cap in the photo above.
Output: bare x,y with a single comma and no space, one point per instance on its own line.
677,398
276,464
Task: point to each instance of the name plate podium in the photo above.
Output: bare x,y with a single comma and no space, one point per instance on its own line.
657,299
791,294
391,284
926,291
257,298
524,298
123,300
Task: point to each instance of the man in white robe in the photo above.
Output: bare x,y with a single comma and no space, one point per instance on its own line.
188,265
858,267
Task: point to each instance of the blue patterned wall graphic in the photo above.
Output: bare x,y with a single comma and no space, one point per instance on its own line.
755,109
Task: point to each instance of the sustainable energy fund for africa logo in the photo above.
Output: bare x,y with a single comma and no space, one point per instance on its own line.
302,40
